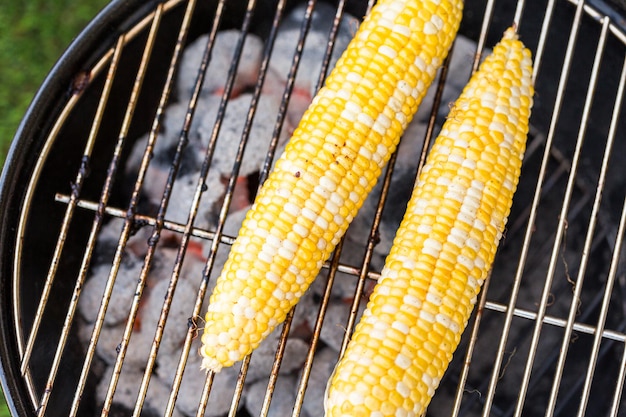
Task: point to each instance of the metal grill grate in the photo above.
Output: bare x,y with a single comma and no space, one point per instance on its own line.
548,336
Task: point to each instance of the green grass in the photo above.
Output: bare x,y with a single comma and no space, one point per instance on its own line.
33,35
4,411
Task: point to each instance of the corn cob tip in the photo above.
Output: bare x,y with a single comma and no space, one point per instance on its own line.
210,364
511,33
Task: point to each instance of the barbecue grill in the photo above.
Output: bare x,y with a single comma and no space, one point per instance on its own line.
548,336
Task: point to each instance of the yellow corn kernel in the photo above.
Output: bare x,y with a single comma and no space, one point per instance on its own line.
330,164
432,275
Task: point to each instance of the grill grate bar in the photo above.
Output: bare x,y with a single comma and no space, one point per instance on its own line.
307,366
141,219
197,195
332,37
102,204
280,351
619,385
225,207
101,208
543,35
374,228
575,390
619,239
170,77
239,387
92,238
304,29
106,192
612,129
467,359
482,37
290,82
317,330
129,222
144,220
360,286
551,182
556,321
206,390
519,9
548,362
97,224
437,99
602,319
334,261
597,15
215,237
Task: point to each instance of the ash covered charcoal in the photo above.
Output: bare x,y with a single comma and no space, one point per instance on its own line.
338,310
222,389
223,157
167,140
109,342
282,401
126,393
263,357
221,58
299,100
315,44
150,307
122,295
184,188
173,122
165,147
109,238
231,131
178,318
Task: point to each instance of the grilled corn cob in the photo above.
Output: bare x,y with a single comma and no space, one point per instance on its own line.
444,247
330,164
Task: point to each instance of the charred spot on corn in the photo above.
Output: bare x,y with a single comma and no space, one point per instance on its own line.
339,149
444,247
